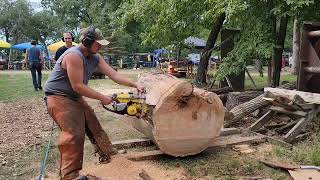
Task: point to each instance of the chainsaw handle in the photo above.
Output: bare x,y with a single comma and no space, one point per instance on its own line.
105,107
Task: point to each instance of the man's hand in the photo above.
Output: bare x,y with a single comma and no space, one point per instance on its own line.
106,100
140,88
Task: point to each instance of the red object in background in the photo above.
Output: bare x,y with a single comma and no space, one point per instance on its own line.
283,63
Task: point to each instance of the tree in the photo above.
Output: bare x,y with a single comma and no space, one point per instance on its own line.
44,27
14,20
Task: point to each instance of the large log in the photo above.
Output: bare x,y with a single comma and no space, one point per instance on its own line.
236,98
246,108
184,120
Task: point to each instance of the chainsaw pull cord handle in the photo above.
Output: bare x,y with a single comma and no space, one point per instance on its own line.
113,103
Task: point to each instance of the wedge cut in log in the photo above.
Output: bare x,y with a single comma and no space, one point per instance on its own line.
183,120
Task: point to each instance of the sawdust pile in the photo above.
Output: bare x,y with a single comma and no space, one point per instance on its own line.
122,168
23,125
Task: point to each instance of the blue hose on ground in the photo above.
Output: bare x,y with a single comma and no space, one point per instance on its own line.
43,164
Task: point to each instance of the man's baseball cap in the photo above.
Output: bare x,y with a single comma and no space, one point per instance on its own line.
33,41
97,36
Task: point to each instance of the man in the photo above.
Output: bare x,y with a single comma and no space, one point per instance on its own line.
64,92
35,60
68,39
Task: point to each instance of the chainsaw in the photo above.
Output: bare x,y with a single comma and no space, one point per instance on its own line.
132,104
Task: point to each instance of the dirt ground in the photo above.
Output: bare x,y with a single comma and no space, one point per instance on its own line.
26,126
25,129
23,125
122,168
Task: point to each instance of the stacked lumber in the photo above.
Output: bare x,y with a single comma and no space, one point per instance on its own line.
301,107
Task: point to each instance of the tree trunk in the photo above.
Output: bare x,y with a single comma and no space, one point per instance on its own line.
246,108
236,98
279,32
200,78
182,120
296,47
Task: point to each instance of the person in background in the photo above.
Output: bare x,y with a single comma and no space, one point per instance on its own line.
35,60
68,39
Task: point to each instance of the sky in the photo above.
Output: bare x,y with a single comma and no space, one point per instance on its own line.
36,4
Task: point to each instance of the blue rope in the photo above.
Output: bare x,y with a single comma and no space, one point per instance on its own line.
43,164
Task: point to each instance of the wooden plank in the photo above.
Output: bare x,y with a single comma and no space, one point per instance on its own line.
301,174
287,126
296,129
279,165
146,155
294,132
125,144
262,121
229,131
315,70
306,96
284,111
222,141
131,143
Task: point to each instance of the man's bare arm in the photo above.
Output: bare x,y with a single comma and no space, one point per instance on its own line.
74,67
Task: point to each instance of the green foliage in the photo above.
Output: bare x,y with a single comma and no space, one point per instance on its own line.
163,23
256,41
14,19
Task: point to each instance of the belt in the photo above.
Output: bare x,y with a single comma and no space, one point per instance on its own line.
52,94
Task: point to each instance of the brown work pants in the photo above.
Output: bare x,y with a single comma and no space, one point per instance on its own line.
74,118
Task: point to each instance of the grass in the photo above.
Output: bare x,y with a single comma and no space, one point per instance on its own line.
305,153
223,163
28,163
18,87
261,82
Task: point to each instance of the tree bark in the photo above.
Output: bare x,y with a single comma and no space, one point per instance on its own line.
279,32
182,120
200,78
246,108
296,47
236,98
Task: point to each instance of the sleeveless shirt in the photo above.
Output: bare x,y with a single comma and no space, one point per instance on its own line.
58,82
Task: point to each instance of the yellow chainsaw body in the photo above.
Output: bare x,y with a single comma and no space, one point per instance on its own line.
129,103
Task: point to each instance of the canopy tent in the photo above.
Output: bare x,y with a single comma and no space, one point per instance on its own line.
160,51
24,46
196,42
4,44
55,46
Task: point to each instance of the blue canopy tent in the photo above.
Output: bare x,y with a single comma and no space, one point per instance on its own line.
195,42
24,46
157,54
160,51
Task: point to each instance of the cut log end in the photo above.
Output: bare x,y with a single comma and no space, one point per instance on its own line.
185,119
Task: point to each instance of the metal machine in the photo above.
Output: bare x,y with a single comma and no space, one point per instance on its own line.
309,61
